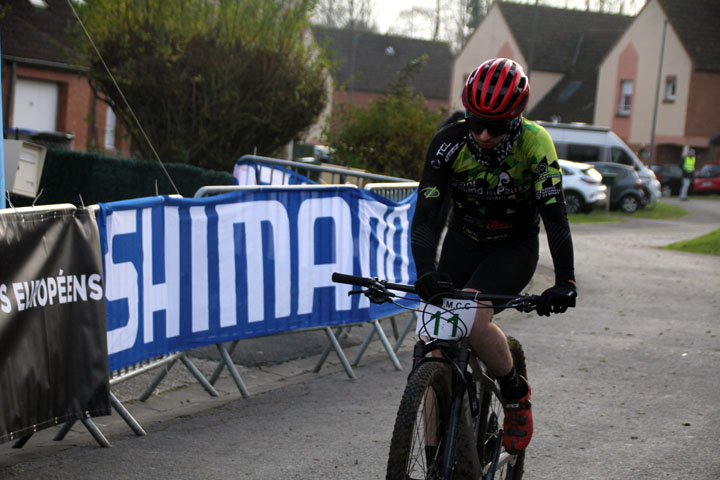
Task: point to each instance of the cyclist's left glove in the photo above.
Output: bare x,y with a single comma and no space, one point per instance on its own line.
431,285
557,299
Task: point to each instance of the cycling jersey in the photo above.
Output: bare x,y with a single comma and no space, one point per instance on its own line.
493,199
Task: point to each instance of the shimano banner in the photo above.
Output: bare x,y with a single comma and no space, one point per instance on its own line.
53,352
181,273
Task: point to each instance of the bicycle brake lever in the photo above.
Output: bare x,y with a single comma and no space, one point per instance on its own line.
378,295
526,304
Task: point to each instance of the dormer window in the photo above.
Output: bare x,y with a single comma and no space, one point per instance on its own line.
389,51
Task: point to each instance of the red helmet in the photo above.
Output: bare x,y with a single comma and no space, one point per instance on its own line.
497,89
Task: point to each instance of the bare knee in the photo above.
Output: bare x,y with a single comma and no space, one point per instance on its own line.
482,322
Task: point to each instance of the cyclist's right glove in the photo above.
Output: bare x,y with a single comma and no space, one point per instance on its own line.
431,285
557,299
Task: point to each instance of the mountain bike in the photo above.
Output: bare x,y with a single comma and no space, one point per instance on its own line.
449,423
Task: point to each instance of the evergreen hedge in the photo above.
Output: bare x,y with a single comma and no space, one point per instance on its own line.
67,176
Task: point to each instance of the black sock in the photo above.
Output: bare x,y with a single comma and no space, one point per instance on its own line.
512,386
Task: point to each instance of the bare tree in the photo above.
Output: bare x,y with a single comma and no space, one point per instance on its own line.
353,14
449,20
454,20
625,7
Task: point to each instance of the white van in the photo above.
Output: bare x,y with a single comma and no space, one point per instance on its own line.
584,143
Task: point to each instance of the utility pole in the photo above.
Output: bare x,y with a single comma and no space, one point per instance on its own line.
657,95
533,34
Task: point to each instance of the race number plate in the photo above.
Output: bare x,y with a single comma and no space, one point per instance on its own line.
452,321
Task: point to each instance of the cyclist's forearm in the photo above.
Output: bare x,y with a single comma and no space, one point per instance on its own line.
423,241
560,241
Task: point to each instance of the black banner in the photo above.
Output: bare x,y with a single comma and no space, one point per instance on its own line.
53,340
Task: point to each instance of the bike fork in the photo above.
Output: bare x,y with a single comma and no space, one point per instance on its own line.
459,389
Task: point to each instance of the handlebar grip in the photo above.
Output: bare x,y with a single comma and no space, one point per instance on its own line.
350,279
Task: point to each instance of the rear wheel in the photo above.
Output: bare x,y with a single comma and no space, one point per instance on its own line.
574,202
629,204
417,440
490,426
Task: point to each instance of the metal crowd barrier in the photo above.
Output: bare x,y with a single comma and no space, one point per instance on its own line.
393,188
282,172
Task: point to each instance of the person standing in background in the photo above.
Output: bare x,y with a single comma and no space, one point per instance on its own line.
687,165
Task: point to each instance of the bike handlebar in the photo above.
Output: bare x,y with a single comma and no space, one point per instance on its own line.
378,288
370,282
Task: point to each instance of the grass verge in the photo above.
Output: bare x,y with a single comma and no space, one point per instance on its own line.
660,211
708,244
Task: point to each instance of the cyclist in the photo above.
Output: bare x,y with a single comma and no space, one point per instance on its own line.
502,173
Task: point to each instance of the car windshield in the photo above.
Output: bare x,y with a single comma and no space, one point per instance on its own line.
709,171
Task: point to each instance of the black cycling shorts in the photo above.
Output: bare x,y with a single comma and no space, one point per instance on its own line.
504,268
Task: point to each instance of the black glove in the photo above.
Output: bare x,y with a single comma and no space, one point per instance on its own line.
431,285
557,299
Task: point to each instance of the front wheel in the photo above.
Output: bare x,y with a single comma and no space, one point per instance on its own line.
489,429
417,440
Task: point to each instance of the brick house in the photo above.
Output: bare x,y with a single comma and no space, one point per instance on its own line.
46,97
560,50
367,62
685,91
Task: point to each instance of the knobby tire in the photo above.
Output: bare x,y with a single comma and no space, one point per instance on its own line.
408,458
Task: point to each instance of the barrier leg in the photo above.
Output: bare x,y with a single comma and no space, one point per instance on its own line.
363,347
198,375
95,432
340,353
233,371
156,381
64,430
326,352
129,419
394,327
22,441
222,363
386,344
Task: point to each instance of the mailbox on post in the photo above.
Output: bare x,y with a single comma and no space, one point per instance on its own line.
609,179
24,163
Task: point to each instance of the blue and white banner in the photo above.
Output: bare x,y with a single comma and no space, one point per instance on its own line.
250,172
182,273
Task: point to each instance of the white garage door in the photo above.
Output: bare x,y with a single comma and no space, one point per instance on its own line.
35,106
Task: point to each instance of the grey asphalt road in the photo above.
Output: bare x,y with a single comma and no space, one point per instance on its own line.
624,386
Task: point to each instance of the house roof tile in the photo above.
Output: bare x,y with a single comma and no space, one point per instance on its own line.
560,32
696,23
37,34
379,58
571,42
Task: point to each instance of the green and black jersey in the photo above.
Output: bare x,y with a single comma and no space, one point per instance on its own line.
491,200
